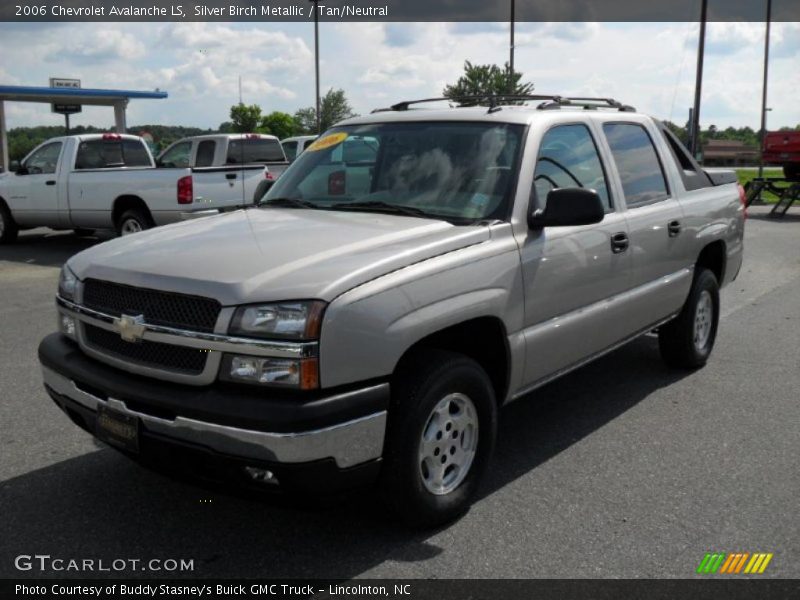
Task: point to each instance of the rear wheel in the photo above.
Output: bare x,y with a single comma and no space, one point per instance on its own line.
687,341
8,227
441,434
133,220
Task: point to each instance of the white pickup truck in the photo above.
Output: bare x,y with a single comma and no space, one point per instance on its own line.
229,150
110,181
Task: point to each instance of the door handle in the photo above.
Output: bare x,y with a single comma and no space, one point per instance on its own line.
230,176
674,228
50,182
619,242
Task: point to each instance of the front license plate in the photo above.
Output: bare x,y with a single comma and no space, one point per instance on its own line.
117,429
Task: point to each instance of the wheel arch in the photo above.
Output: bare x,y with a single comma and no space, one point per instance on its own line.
713,257
483,339
128,202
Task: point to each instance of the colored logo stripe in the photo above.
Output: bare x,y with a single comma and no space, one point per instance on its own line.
725,563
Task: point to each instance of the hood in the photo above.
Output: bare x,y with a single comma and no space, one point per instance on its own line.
261,255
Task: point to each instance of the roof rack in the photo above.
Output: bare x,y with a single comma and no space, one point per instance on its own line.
548,102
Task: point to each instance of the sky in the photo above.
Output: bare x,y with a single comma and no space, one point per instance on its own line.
648,65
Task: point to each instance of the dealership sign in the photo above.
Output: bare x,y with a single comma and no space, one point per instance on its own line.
65,109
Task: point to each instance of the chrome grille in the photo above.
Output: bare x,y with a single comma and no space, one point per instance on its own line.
168,309
190,361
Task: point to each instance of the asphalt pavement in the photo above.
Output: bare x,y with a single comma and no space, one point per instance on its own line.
622,469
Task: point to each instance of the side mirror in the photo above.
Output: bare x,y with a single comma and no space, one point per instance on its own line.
568,206
13,167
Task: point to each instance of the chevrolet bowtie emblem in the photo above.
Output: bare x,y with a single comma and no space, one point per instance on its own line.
130,327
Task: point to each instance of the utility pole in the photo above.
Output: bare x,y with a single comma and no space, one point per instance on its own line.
511,51
764,94
240,89
316,59
698,85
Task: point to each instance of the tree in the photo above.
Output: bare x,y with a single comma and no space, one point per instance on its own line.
279,124
334,107
306,119
485,81
246,119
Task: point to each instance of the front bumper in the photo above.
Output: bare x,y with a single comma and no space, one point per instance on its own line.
344,430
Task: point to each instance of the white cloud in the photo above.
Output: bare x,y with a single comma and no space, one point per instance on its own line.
648,65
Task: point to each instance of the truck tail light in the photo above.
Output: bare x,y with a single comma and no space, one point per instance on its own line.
269,176
112,136
185,190
743,199
336,183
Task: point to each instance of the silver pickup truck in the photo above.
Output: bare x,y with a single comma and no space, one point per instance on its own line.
110,181
365,323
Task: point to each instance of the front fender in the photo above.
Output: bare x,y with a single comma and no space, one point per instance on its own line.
367,330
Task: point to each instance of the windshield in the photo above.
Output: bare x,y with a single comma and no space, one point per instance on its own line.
447,170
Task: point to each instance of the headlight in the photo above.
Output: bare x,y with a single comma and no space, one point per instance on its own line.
301,374
67,282
279,320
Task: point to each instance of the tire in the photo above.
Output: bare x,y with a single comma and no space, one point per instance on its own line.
686,342
461,390
80,232
133,220
8,228
792,171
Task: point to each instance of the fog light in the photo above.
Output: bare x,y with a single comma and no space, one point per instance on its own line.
243,367
67,325
262,475
297,373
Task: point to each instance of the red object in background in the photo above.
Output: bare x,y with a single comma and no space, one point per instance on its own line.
336,183
782,147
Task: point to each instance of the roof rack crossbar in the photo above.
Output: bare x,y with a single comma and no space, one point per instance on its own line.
549,101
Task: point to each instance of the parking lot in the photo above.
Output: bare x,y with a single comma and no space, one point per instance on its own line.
621,469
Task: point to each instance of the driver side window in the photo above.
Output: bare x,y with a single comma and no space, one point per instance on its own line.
568,158
45,160
177,156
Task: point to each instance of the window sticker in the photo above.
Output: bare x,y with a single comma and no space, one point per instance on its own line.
327,141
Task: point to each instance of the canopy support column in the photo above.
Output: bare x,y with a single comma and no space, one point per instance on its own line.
119,116
3,138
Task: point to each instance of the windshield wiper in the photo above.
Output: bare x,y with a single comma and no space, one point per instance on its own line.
387,208
288,203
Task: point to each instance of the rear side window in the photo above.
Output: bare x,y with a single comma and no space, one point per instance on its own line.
638,165
205,153
256,150
694,178
108,154
568,158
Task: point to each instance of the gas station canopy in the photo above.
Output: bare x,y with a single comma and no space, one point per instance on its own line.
65,95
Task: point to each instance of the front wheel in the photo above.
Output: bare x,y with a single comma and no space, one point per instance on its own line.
442,429
687,341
